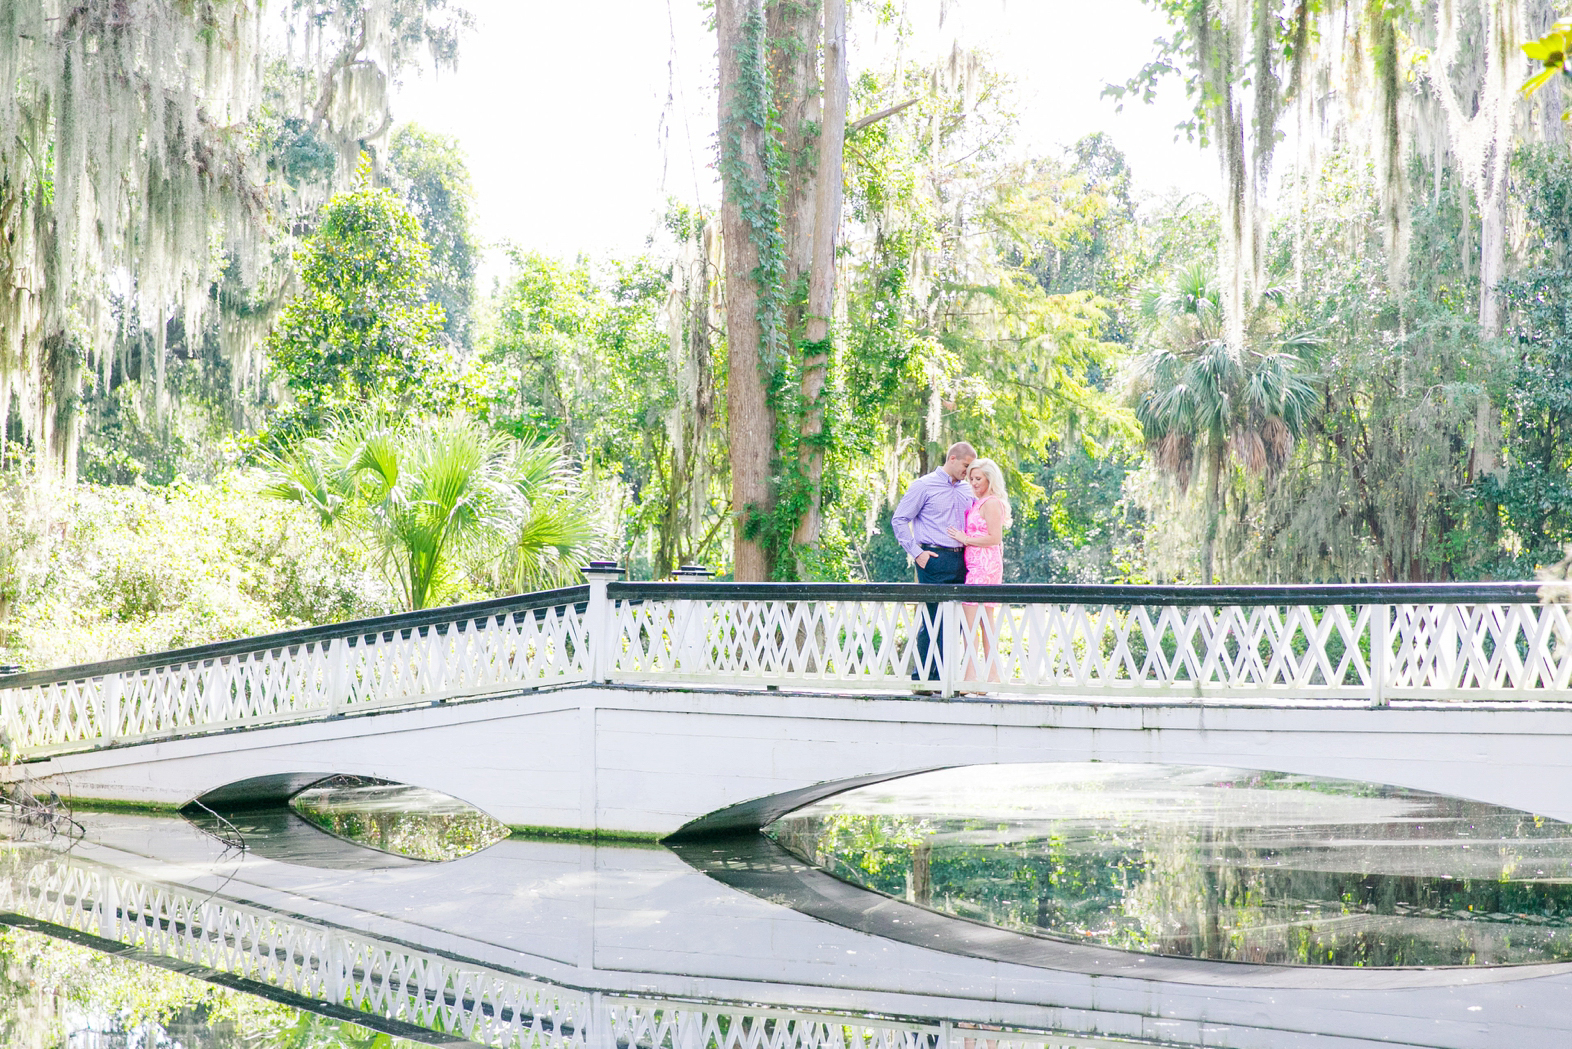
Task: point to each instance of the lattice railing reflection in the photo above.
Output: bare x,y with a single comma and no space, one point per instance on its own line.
398,660
440,992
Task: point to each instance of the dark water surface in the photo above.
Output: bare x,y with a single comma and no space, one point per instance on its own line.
1210,863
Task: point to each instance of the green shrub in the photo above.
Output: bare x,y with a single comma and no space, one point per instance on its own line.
99,572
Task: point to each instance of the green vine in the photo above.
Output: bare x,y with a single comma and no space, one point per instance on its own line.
759,200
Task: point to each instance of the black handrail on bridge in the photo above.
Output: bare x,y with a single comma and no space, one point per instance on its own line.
1093,593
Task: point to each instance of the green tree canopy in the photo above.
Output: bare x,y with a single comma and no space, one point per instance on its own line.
1533,489
438,193
361,332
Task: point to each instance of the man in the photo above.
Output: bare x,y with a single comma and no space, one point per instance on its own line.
930,508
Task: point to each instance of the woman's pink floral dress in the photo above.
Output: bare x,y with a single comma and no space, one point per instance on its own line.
984,564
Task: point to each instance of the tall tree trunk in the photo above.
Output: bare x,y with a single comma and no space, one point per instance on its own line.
793,47
828,189
746,189
1492,260
1492,265
1215,451
1218,46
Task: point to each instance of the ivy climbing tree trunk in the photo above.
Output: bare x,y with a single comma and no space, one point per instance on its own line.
828,189
750,237
782,130
792,41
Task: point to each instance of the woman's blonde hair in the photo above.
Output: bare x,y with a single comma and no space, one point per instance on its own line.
995,478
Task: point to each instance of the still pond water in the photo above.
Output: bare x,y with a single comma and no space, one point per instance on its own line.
994,907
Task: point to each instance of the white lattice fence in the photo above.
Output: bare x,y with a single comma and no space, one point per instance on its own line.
1139,645
1196,650
1372,644
872,643
361,666
440,993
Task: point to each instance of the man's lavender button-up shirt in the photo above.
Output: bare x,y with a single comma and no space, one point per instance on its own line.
933,504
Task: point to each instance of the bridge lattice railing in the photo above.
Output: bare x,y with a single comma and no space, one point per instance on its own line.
1366,643
402,660
312,964
1374,644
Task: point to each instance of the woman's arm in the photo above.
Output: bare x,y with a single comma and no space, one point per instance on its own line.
993,516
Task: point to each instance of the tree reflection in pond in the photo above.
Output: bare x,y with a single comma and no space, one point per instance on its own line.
407,821
1216,863
60,994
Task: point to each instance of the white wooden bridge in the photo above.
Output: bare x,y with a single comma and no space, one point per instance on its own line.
637,708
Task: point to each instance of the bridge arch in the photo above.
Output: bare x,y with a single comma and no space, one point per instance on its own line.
648,761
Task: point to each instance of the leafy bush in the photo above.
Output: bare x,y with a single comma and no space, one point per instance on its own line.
362,331
453,509
102,572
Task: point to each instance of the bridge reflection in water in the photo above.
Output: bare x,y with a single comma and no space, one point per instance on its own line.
565,945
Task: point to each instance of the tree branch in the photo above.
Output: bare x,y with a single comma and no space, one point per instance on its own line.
873,118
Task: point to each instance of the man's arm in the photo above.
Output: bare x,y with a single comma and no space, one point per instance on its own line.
906,511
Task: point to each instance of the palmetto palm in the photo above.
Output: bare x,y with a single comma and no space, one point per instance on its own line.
444,499
1200,399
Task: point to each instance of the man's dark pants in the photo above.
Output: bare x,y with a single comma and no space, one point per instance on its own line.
945,566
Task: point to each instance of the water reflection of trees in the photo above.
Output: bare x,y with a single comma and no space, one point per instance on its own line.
58,994
399,819
1204,891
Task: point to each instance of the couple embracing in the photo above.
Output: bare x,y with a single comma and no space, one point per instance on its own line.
952,523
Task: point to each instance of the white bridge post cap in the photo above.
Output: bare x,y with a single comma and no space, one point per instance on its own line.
603,570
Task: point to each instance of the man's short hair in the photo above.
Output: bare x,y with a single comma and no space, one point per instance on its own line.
960,450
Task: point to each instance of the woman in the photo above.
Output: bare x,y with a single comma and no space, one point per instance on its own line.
983,539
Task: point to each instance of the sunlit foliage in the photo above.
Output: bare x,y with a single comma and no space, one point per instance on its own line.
100,572
363,332
454,508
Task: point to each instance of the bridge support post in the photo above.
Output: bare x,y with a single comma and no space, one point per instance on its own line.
601,1033
113,686
600,621
952,650
108,905
337,676
1380,653
335,971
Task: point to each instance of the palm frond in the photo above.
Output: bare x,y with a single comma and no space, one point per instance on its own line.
446,500
301,476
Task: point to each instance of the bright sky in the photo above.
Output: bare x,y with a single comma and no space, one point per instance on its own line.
573,146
